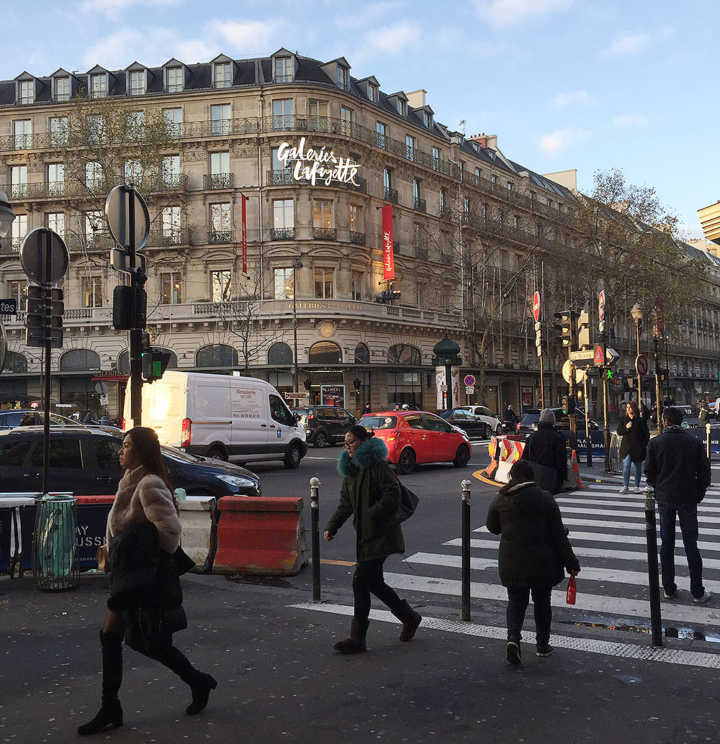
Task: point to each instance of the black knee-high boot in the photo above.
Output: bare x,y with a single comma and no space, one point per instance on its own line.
110,715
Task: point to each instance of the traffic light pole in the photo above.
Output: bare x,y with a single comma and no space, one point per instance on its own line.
47,261
658,402
606,433
137,281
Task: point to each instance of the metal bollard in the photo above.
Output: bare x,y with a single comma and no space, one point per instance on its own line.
707,441
315,527
653,573
465,518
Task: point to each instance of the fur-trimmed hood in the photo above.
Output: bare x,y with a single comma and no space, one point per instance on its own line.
371,451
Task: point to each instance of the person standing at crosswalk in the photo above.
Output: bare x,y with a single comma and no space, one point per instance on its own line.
534,550
546,449
635,436
679,471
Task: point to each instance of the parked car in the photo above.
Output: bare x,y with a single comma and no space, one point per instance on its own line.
529,422
416,437
472,425
12,417
488,416
84,460
324,424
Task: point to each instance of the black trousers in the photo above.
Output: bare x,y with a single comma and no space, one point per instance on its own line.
368,579
518,597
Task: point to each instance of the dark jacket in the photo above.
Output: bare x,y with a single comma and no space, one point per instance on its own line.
534,546
677,467
546,448
634,440
371,493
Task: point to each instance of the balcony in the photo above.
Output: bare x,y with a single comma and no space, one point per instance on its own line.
168,182
217,181
420,204
282,233
390,195
357,238
168,237
220,236
421,250
95,243
283,177
220,127
361,187
324,233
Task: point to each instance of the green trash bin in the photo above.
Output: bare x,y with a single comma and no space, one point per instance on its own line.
54,543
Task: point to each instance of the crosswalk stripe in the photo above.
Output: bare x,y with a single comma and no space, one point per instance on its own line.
636,526
588,645
619,513
589,602
709,499
632,504
605,575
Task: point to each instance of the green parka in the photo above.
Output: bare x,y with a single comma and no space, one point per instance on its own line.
371,493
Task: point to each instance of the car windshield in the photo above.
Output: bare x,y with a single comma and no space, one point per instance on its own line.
379,422
529,418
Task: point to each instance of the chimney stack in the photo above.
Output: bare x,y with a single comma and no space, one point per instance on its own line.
485,140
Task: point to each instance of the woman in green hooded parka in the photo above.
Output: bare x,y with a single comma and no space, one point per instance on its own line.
371,493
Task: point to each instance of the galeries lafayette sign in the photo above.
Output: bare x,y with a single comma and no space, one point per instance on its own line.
313,165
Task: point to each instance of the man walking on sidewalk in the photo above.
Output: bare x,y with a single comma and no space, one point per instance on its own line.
678,469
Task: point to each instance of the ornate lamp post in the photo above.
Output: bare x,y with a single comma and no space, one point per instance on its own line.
637,316
446,355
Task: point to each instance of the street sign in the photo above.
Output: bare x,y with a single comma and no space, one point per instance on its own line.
579,373
117,212
599,359
469,380
536,306
601,306
32,256
469,390
583,355
641,365
8,307
611,356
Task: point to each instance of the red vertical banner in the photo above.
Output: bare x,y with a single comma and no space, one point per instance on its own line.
244,233
387,242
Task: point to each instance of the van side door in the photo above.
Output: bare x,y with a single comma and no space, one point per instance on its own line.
282,424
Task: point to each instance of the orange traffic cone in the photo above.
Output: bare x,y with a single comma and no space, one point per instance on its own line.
576,469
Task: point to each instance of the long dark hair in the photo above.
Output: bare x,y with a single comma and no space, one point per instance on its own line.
147,448
635,408
360,432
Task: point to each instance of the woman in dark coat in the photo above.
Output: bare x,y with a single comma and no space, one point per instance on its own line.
371,494
545,448
633,447
143,535
534,550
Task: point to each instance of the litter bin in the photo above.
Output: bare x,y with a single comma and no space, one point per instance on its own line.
54,543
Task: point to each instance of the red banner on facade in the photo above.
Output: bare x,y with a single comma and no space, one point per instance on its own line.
244,234
387,242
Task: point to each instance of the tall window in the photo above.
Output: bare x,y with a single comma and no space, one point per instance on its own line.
220,223
19,230
283,113
92,291
373,91
358,281
342,77
58,130
18,181
96,128
98,85
171,224
380,133
171,288
219,163
387,181
324,281
346,120
409,147
283,70
220,119
318,115
136,83
443,201
173,121
466,207
322,213
171,170
220,285
22,134
175,79
93,225
417,194
509,186
222,74
355,218
435,158
17,290
56,178
135,125
133,171
27,91
283,283
62,88
283,218
93,175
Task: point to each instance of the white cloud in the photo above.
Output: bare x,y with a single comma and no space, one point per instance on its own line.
575,96
390,39
114,8
553,143
254,35
628,43
370,13
630,120
502,13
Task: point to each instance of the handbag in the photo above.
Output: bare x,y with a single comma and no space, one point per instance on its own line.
408,503
149,628
102,559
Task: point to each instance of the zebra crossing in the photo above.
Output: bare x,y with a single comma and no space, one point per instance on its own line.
607,531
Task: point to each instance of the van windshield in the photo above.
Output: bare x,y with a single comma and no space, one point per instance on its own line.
379,422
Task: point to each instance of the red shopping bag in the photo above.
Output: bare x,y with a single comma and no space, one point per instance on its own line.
571,591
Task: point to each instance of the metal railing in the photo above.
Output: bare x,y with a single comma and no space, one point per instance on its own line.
390,195
282,233
213,181
163,238
220,236
281,177
324,233
358,238
420,205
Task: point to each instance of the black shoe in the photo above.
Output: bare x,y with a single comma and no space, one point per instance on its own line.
544,650
355,644
410,620
201,694
110,716
513,653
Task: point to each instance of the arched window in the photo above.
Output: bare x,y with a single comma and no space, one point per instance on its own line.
325,352
404,354
217,355
362,354
77,360
280,353
123,362
15,362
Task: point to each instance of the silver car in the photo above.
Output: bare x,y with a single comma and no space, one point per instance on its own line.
486,415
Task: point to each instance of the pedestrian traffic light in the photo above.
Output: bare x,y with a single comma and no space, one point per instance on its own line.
44,309
129,307
154,363
609,374
564,328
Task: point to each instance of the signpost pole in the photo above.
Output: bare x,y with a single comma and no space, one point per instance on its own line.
588,438
606,432
542,384
47,272
135,332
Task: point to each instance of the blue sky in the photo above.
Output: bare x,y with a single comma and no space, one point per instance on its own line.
586,84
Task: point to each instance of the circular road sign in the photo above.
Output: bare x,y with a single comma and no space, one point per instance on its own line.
641,365
601,305
469,380
117,213
536,306
34,261
579,373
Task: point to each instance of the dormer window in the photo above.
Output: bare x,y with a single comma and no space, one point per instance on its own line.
402,107
98,85
26,91
222,75
427,119
137,83
373,93
341,77
175,79
283,70
61,88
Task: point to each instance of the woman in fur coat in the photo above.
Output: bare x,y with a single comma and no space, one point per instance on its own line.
142,537
371,494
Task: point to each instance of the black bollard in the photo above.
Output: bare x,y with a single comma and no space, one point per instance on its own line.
653,573
315,527
707,441
465,518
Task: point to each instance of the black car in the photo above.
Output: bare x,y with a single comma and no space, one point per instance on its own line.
84,461
472,425
325,424
12,417
529,422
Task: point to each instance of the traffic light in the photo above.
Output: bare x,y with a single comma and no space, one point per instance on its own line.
44,310
564,328
583,333
609,374
154,363
129,307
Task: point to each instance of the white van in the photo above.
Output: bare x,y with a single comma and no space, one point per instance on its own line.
239,418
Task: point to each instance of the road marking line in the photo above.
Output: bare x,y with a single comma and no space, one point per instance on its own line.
618,513
328,562
632,504
617,495
639,525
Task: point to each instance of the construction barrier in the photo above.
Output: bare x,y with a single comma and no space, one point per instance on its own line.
17,522
262,536
198,517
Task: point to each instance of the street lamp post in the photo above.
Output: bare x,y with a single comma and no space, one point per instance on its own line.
7,215
297,265
637,316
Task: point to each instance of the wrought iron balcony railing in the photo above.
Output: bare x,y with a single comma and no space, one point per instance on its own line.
282,177
420,205
391,195
324,233
212,181
282,233
358,238
220,236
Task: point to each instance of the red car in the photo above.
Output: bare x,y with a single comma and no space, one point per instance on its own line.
414,437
